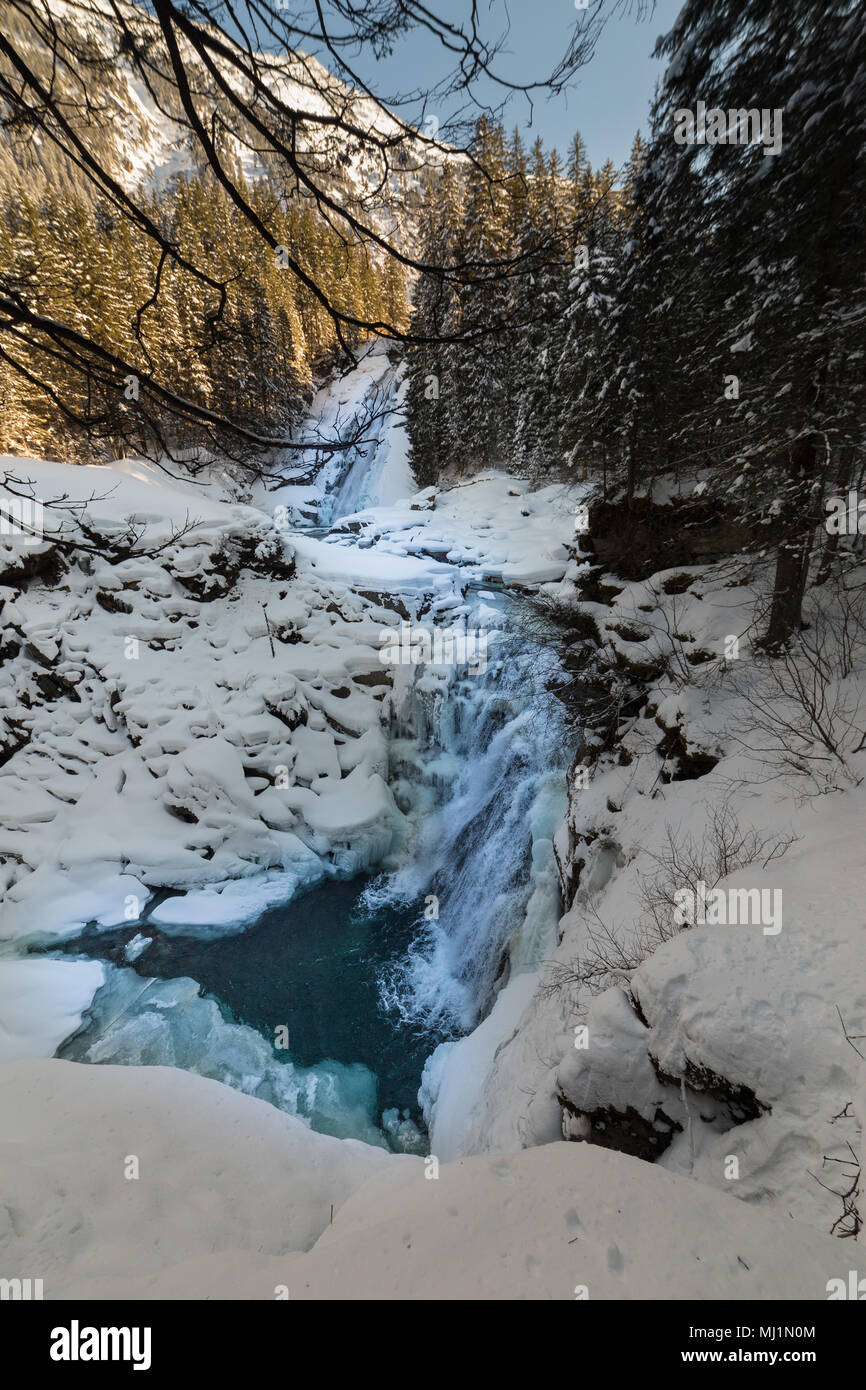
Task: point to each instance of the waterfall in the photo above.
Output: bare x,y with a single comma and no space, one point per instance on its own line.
364,462
368,978
490,751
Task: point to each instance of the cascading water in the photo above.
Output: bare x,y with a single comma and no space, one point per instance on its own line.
492,751
363,463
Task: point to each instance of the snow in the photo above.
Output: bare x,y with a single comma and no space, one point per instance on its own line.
198,1218
42,1002
218,1172
370,569
242,754
492,528
450,1084
136,946
559,1222
129,490
231,904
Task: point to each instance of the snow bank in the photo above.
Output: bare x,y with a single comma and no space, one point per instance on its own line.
450,1089
370,569
493,527
150,1183
130,1170
229,905
560,1222
42,1002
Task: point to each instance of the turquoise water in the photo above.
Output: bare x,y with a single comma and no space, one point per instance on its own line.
312,965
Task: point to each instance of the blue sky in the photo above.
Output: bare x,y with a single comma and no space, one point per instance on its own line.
608,101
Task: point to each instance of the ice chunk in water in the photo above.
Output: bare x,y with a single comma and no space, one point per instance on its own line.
167,1023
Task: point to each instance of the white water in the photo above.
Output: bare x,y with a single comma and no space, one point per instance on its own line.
319,488
378,473
490,752
481,761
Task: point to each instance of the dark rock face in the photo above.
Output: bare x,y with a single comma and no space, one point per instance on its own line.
111,603
626,1131
370,678
259,553
47,564
392,602
739,1101
682,763
635,542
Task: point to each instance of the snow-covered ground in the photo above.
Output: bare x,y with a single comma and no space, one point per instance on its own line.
160,700
209,715
494,528
150,1183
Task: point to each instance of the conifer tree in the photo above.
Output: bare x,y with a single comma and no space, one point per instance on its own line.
778,223
480,367
431,394
537,428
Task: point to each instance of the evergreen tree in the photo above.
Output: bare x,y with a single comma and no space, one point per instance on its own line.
431,397
537,429
782,233
480,367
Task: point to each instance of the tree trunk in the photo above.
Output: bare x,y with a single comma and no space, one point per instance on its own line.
632,466
789,586
831,543
795,550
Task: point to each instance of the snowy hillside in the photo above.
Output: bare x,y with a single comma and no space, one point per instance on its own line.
142,131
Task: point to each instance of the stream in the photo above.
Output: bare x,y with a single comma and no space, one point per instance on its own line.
329,1005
